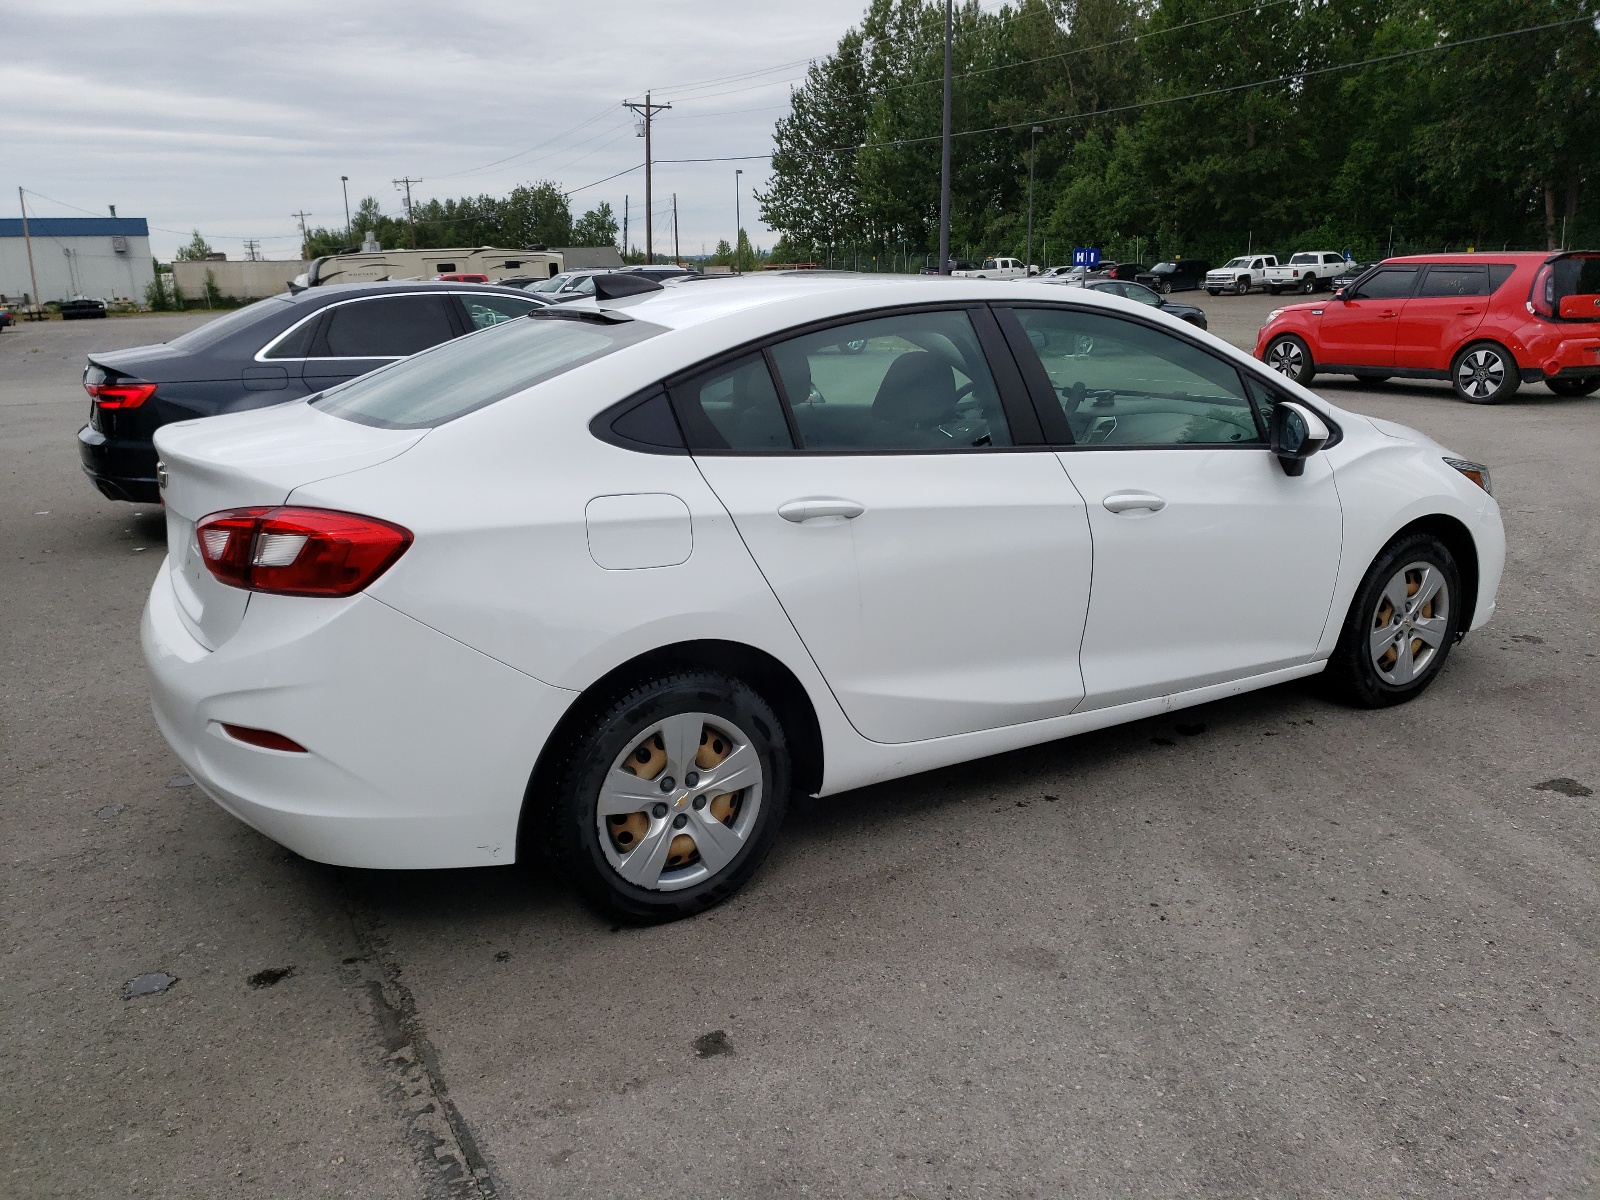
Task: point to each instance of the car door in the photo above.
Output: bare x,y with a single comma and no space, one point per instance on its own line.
1359,329
1210,563
1447,307
357,336
937,571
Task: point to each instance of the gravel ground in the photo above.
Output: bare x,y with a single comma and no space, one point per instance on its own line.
1268,947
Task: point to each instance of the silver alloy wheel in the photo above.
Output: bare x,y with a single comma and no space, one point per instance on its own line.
1409,623
677,806
1286,358
1481,373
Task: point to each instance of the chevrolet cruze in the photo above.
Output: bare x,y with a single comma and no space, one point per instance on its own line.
612,582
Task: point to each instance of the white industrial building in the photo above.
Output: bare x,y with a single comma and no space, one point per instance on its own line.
106,258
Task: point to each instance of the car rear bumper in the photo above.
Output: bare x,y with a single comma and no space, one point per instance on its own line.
418,749
122,468
1569,358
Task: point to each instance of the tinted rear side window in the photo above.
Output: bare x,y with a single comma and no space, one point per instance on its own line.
1498,275
1456,281
386,327
470,372
734,408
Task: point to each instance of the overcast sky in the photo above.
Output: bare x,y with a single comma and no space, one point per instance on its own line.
228,116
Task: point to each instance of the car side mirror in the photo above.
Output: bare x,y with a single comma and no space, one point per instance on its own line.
1339,294
1296,433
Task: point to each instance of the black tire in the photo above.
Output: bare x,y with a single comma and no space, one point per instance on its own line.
1573,388
1166,289
1213,291
1308,285
1272,289
1352,675
1485,373
1374,379
569,819
1241,286
1290,357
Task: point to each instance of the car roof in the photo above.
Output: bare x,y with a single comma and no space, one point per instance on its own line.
391,286
790,296
1482,256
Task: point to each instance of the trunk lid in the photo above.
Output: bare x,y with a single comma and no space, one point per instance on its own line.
243,460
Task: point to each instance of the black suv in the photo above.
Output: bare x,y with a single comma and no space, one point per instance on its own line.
1184,275
269,352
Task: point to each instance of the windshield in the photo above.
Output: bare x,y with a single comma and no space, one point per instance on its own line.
553,284
213,332
1236,262
454,378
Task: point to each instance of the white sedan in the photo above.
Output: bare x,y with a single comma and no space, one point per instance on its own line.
617,580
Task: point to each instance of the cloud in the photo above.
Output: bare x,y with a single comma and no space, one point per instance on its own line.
229,115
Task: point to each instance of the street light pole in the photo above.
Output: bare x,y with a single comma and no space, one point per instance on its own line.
1033,139
344,183
738,227
944,149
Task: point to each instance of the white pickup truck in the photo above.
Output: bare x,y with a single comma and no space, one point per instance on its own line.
1239,275
1306,271
997,268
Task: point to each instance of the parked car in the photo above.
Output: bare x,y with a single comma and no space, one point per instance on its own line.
270,352
1348,274
1180,275
1308,271
5,316
1239,275
1065,274
957,265
82,308
996,268
1191,313
615,582
462,277
1486,322
1129,272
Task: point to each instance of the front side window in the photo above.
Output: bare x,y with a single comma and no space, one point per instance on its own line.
1390,283
1456,281
468,373
917,381
385,327
1121,383
486,310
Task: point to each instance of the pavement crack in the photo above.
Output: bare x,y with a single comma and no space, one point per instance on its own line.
445,1151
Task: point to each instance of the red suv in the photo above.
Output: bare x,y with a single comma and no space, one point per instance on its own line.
1486,322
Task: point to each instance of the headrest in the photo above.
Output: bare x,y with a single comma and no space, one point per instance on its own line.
919,390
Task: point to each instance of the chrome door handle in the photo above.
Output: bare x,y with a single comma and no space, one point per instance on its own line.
1124,501
813,507
1387,314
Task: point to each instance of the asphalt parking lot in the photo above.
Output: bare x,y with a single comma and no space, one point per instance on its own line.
1268,947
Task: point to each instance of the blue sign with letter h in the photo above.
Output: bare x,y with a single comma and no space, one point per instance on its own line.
1086,256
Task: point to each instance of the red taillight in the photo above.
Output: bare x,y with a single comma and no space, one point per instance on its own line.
298,551
264,738
120,395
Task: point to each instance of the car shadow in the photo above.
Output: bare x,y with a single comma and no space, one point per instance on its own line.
487,895
1529,395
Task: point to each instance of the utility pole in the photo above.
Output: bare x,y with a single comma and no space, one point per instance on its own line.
624,228
32,278
738,227
1033,138
944,148
344,183
677,255
252,250
647,110
305,241
406,183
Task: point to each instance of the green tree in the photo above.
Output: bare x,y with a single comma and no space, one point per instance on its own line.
597,227
198,250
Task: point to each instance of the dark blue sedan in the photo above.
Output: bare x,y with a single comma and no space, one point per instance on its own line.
269,352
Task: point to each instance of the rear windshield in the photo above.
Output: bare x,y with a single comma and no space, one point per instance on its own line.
1302,260
453,379
212,332
1576,275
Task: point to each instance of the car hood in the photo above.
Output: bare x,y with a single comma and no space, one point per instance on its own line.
1404,433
